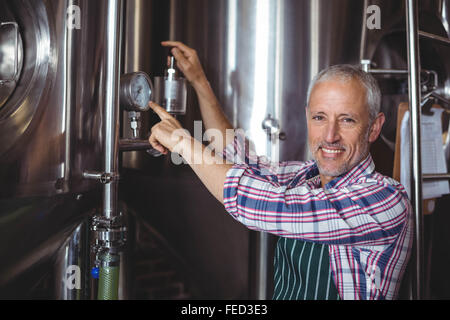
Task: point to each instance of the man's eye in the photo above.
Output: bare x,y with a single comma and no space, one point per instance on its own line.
348,120
318,118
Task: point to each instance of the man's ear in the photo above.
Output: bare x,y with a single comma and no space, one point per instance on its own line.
377,125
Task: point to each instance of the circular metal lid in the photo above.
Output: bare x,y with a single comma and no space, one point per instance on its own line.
11,53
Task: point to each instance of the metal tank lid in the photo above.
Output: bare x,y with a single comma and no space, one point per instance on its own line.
11,53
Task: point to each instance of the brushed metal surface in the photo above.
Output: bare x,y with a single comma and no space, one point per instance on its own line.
72,266
32,230
259,56
16,113
11,53
51,131
51,127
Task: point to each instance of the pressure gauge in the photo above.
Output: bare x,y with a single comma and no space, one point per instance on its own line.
136,90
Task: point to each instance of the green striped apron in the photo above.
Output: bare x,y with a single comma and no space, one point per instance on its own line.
302,271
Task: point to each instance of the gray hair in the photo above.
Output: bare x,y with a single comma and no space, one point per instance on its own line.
347,72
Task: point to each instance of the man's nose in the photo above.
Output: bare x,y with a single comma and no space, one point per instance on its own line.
332,134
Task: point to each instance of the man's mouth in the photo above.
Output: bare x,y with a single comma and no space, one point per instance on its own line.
332,150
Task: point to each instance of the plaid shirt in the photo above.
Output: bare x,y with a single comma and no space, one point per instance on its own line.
363,216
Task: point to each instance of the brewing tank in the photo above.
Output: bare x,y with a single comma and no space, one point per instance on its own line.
51,120
259,56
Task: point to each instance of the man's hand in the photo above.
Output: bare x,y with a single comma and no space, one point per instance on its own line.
167,134
187,61
212,113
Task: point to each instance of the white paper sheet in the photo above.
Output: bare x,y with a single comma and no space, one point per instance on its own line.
405,151
433,157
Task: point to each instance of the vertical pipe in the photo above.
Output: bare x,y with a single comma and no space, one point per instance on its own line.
173,20
67,59
133,60
109,260
262,265
111,107
363,41
414,104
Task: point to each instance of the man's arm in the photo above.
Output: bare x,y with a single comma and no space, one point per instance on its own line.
209,167
209,170
369,213
169,135
210,109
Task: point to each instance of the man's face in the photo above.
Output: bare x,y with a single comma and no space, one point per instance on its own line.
339,134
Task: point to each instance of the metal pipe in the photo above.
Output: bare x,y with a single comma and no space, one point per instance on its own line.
389,71
70,67
108,252
111,107
416,168
434,37
134,145
365,64
92,175
443,176
262,266
439,97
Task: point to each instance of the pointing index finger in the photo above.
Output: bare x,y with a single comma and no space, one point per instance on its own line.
161,112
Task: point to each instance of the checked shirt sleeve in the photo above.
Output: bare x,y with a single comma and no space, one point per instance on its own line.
366,212
242,154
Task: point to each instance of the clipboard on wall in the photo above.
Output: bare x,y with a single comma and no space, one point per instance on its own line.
438,155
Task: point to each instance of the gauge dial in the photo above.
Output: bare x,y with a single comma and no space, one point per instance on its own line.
141,91
135,91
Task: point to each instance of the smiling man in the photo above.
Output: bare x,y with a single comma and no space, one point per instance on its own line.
345,230
343,119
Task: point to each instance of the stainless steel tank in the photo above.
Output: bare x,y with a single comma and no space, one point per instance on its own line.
51,124
51,120
259,56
